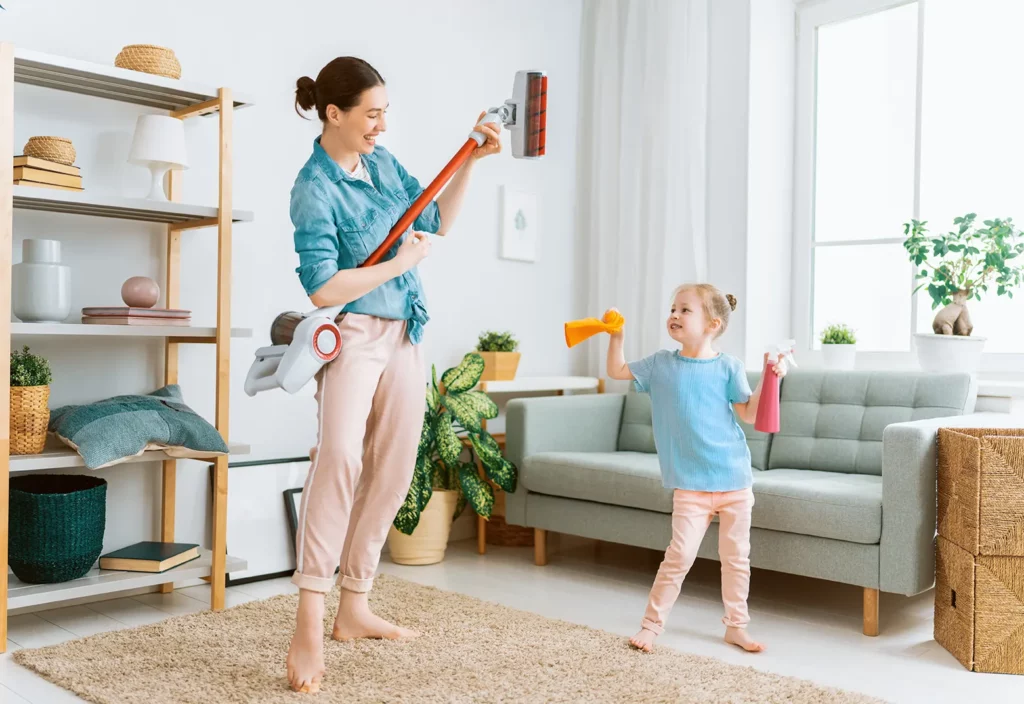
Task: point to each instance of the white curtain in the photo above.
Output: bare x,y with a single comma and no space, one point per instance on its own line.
641,195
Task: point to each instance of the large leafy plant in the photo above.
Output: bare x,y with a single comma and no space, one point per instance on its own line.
963,263
454,413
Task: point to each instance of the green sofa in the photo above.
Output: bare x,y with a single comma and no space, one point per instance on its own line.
845,491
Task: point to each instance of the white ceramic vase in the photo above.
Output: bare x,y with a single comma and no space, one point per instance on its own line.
41,285
948,353
843,357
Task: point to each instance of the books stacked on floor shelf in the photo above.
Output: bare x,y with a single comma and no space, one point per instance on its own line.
123,315
149,556
32,171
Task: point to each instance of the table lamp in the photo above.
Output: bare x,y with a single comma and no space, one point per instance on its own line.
159,143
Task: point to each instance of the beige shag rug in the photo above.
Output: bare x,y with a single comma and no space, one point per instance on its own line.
470,651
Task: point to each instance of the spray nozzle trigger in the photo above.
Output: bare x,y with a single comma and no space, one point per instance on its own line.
782,355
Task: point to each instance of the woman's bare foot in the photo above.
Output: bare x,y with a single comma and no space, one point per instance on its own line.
644,640
306,653
740,637
355,620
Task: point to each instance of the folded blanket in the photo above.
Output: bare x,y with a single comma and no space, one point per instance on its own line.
107,432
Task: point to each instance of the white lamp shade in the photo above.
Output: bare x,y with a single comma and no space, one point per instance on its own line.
159,139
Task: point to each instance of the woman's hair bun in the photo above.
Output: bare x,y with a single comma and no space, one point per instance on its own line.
305,93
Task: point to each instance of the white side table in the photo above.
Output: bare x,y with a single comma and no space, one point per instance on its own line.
522,385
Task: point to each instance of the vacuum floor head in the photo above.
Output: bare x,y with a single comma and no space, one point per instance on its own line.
525,115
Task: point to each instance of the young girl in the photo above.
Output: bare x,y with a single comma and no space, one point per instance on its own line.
702,452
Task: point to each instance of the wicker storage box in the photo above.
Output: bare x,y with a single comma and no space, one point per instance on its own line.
56,149
979,580
149,58
30,416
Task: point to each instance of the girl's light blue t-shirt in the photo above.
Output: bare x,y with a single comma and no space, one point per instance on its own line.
701,446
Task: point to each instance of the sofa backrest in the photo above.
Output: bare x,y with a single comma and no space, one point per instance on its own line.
637,433
830,420
833,421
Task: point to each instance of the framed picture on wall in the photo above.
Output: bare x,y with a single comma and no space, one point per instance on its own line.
258,523
519,216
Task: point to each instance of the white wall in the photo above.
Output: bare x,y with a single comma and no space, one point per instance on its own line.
443,62
750,171
770,175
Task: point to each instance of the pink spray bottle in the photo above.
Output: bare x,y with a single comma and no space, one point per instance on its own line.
767,420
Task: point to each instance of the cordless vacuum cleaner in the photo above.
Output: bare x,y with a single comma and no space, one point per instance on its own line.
301,344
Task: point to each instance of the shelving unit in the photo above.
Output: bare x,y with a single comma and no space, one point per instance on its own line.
182,100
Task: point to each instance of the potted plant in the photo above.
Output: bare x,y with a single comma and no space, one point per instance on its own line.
30,396
961,265
443,481
838,346
498,350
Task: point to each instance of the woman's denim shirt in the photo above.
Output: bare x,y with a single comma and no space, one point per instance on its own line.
340,220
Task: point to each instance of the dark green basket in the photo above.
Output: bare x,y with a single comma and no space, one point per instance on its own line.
56,526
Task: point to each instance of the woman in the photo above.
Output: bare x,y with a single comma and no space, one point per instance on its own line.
371,398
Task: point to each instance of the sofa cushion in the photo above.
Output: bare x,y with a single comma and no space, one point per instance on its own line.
833,421
637,431
823,504
622,478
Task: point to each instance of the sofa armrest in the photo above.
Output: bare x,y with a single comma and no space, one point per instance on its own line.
909,466
579,423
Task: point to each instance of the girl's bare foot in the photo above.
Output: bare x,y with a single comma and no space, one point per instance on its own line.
644,640
306,653
740,637
355,620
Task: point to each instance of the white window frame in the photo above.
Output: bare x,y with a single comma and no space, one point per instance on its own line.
809,18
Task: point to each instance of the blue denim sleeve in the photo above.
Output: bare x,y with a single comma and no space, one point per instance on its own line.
316,235
642,370
430,219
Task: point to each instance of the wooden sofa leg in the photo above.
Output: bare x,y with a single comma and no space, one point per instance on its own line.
870,612
540,546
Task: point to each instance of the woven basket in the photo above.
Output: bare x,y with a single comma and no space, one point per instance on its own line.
56,149
501,533
148,58
981,489
30,416
56,526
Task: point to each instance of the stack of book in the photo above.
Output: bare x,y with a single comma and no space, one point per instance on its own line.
124,315
32,171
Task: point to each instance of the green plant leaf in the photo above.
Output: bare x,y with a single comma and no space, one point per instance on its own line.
499,470
481,404
465,376
478,493
28,369
460,505
408,516
464,413
449,447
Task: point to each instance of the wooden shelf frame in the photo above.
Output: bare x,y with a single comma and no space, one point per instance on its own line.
183,101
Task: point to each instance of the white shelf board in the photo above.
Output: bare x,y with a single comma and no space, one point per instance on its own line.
111,82
90,330
56,455
97,582
542,383
55,200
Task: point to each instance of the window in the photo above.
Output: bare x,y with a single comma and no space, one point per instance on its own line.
907,110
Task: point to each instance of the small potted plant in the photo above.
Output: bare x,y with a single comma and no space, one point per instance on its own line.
498,350
961,265
838,346
30,396
443,481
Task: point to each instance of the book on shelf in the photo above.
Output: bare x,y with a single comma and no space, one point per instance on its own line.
122,311
24,173
149,556
134,320
19,182
34,162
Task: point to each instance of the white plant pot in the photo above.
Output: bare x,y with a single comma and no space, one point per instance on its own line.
948,353
839,356
40,284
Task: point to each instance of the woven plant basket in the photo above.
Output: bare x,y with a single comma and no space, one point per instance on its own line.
56,149
30,416
148,58
56,526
